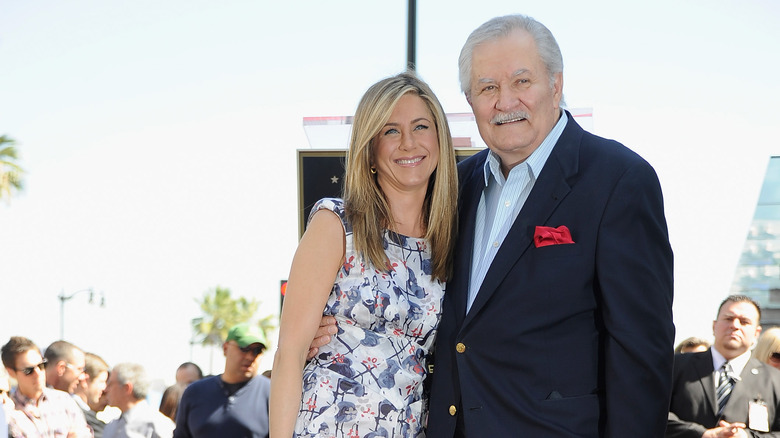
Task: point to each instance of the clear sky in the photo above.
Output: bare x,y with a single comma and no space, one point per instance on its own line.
160,141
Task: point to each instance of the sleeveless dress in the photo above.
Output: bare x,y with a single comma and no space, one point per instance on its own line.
368,381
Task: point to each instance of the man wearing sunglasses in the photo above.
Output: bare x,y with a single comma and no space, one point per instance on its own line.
38,410
234,403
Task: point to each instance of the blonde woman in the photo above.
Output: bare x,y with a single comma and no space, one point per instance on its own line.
768,347
376,261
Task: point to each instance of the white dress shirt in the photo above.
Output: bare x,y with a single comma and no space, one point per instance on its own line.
737,364
501,202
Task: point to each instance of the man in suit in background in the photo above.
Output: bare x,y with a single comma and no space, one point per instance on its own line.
724,392
557,321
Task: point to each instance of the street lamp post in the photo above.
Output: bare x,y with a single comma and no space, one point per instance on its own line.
62,297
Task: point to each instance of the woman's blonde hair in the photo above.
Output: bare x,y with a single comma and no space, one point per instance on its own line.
768,343
365,204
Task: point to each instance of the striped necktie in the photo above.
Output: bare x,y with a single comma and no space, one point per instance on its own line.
725,385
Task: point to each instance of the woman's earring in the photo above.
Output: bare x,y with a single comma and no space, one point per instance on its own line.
373,170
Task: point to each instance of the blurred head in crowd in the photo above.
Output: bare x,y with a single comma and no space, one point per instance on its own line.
127,385
23,361
692,345
244,346
65,367
171,397
91,388
768,347
187,373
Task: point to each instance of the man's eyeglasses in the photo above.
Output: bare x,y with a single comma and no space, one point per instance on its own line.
29,370
76,369
249,349
775,357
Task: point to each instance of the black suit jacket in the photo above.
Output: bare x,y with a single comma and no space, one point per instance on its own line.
693,407
562,340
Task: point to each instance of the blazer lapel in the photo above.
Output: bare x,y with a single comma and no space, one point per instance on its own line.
551,187
471,187
745,389
703,366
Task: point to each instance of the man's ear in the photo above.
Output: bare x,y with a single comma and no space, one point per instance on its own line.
224,348
61,367
558,89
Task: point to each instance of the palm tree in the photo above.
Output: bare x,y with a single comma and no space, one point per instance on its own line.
10,172
221,312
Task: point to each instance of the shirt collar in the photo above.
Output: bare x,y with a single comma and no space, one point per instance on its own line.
737,364
138,411
535,161
79,401
23,400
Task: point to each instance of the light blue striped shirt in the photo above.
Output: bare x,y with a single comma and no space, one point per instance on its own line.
503,198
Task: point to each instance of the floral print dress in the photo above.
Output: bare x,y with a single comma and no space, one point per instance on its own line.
368,381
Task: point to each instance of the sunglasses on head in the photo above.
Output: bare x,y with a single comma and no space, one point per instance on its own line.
775,356
254,350
29,370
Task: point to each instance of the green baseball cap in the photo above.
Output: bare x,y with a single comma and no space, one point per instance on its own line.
246,334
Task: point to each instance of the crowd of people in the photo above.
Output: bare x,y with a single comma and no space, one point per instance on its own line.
67,392
526,291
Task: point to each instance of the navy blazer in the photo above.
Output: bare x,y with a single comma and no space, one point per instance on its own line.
693,408
562,340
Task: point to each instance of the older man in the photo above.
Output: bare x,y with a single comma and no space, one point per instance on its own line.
724,392
38,410
234,403
126,389
557,321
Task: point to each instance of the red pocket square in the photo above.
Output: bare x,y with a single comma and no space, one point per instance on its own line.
544,236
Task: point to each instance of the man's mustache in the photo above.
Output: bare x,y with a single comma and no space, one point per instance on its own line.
500,119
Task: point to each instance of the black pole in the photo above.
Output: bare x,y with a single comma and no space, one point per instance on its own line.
411,39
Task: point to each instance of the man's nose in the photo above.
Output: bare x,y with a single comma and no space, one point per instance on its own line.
507,100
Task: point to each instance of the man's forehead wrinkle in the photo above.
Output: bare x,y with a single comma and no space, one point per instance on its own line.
487,79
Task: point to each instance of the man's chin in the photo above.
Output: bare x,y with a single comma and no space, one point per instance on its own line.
736,346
